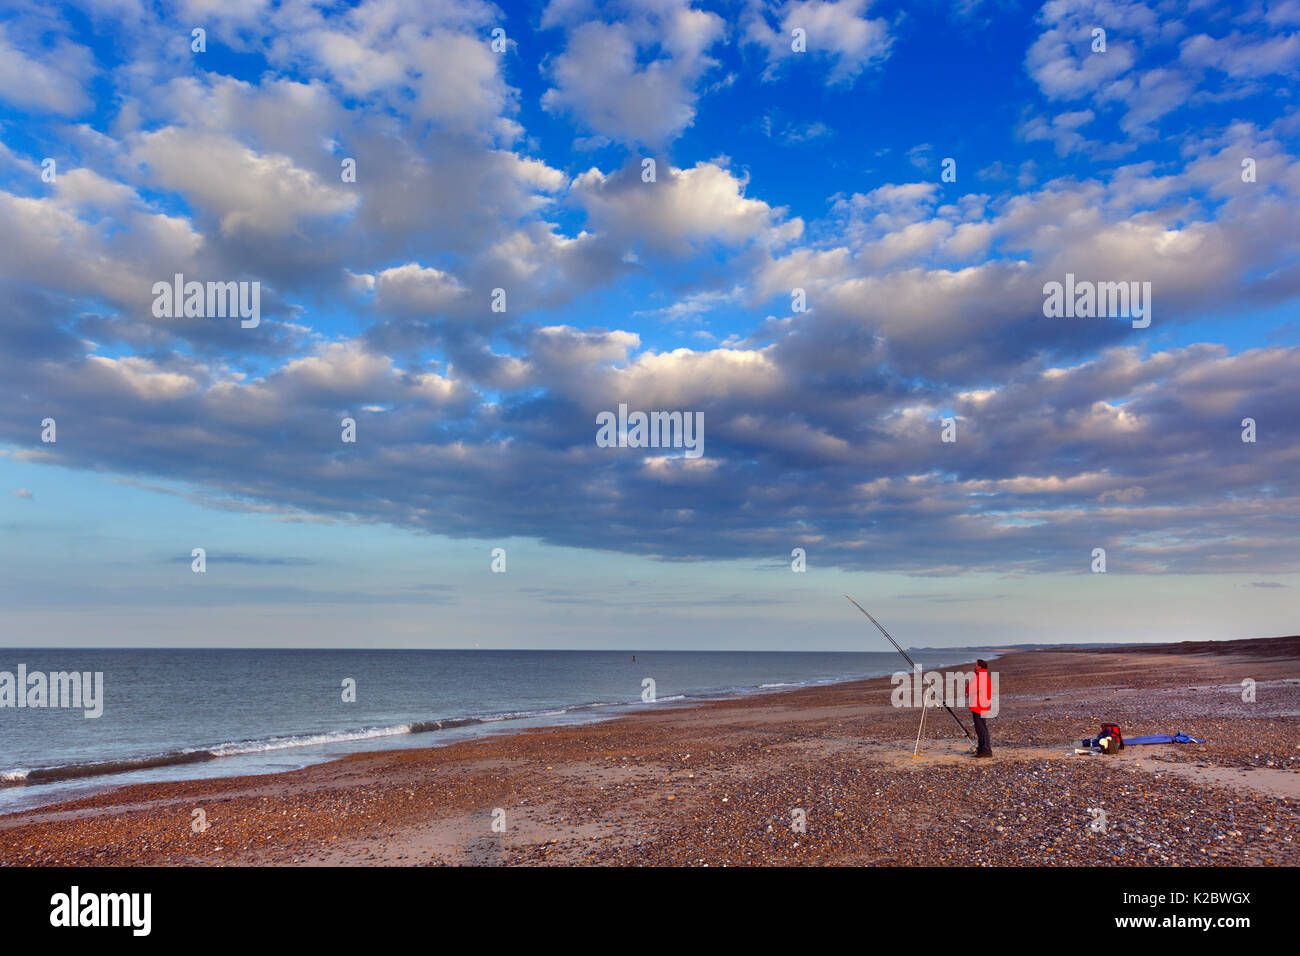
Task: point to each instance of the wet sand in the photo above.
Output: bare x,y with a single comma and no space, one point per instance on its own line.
720,783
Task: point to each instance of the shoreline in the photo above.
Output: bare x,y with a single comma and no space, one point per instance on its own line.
323,746
716,783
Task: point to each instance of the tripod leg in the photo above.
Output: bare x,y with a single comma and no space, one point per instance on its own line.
919,730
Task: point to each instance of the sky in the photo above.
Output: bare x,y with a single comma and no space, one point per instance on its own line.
826,229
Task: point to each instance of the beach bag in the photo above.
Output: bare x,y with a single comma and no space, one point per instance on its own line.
1112,731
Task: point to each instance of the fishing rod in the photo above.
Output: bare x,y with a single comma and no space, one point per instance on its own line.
905,657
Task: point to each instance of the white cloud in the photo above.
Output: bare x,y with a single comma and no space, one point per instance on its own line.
1245,56
705,202
51,80
1061,130
836,30
428,59
415,288
243,190
604,78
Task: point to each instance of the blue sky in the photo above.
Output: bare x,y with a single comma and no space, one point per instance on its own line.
776,170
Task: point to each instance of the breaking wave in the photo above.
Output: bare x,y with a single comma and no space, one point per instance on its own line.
94,768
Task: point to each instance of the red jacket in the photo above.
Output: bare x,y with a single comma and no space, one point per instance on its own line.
979,692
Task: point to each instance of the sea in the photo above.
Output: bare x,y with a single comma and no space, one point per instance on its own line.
187,714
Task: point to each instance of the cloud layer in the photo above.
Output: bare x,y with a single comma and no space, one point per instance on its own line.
473,300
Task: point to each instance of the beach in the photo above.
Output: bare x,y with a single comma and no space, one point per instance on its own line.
816,776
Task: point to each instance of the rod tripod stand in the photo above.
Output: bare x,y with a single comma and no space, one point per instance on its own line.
920,730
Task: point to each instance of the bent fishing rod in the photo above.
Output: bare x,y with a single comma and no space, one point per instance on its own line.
905,657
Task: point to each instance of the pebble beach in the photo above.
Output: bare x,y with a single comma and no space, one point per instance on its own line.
812,777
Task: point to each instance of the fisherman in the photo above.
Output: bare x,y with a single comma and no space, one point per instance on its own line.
979,692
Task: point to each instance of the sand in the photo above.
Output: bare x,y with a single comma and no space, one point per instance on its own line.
819,776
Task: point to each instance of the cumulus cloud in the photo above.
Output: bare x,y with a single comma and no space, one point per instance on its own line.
1062,130
1069,63
683,206
427,58
245,191
48,77
1245,56
414,288
836,31
631,78
924,299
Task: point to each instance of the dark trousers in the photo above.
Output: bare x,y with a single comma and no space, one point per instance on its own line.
982,732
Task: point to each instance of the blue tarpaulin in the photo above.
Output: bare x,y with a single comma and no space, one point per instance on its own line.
1178,738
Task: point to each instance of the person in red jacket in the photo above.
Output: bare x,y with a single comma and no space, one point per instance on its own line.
979,692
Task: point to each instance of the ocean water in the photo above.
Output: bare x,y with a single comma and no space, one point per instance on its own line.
185,714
